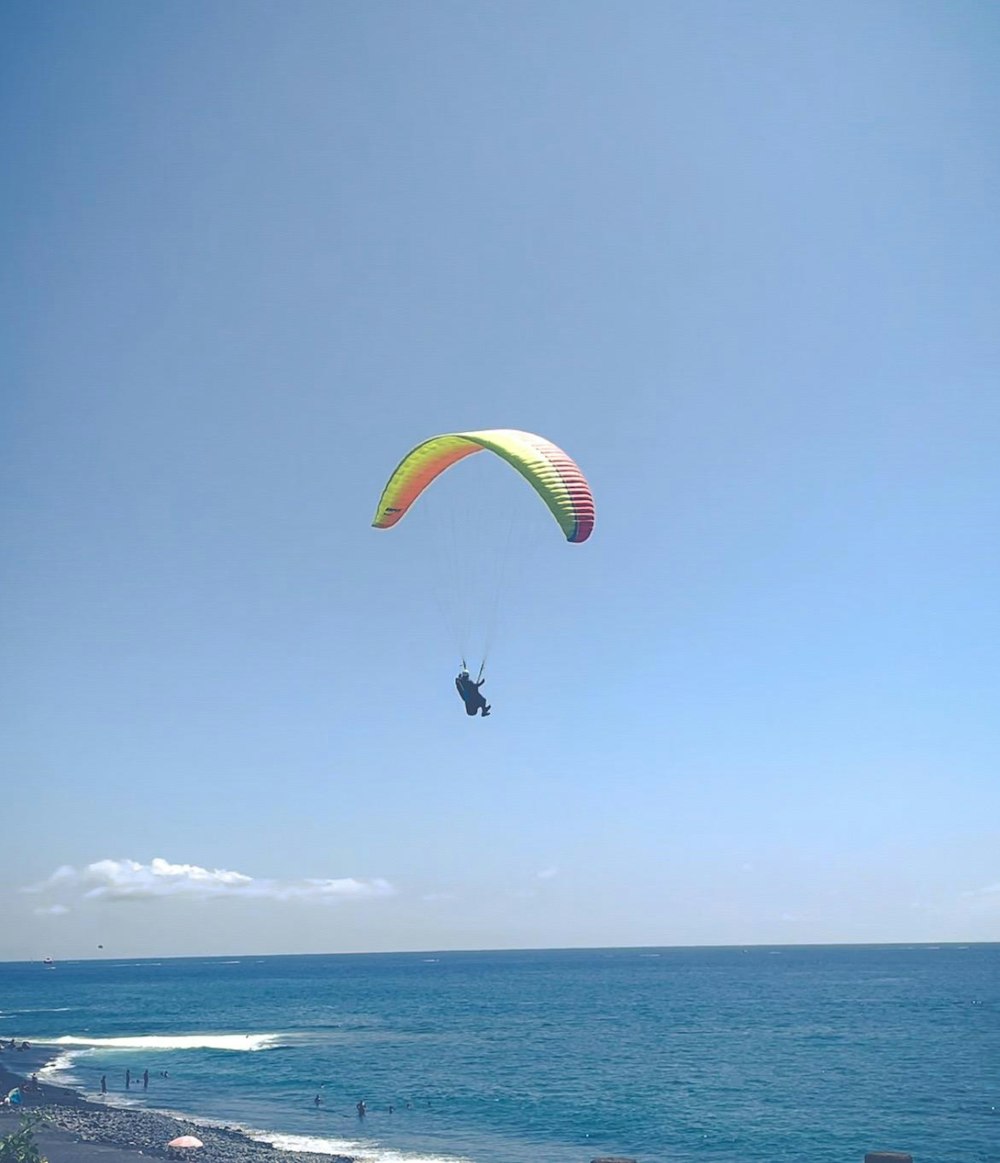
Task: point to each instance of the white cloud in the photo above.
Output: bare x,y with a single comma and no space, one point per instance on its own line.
64,873
347,886
121,878
117,880
51,911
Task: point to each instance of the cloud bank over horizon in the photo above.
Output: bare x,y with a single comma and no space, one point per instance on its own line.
121,880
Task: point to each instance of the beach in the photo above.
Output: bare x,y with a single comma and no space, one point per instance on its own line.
77,1130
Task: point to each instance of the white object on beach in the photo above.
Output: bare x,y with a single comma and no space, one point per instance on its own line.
185,1141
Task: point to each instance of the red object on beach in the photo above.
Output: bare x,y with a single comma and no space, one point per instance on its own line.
185,1141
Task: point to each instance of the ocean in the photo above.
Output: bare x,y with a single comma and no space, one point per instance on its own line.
721,1055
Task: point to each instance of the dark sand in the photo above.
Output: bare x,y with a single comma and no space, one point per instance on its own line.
78,1131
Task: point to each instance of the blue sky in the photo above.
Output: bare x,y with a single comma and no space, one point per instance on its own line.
739,260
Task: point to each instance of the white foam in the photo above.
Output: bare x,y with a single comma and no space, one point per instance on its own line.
370,1152
42,1010
236,1042
58,1068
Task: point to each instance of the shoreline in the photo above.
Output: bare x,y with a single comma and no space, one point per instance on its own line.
78,1130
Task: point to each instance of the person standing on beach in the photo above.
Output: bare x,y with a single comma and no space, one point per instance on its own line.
128,1079
104,1084
145,1080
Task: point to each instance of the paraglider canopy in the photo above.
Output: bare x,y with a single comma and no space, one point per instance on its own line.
554,475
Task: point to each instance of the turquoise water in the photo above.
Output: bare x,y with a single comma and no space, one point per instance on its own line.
809,1053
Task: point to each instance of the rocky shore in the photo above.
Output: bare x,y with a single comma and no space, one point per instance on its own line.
74,1130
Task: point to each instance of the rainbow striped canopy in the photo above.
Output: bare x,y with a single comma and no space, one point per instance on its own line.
551,473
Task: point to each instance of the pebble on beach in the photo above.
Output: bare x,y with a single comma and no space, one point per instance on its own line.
148,1133
135,1131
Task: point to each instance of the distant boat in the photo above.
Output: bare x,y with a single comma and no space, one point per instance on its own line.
48,963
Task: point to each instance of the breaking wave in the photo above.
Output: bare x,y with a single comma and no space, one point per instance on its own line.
241,1043
362,1151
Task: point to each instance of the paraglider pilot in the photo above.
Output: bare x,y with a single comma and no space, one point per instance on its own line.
470,694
